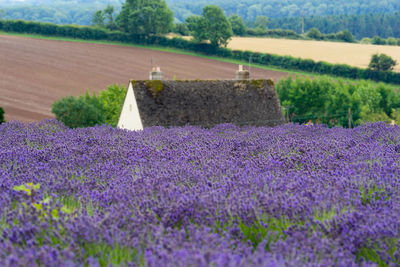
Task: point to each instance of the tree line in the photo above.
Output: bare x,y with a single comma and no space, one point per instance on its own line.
384,25
335,102
72,11
259,29
378,25
250,9
53,13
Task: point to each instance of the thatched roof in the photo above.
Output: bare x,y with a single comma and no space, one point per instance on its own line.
207,103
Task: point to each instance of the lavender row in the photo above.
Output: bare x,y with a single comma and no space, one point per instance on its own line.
286,196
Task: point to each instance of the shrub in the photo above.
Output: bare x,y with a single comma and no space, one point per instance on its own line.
366,40
391,41
84,111
378,41
1,115
181,29
382,62
314,33
345,36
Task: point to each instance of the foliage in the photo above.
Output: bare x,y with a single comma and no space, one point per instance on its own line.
196,26
145,17
181,29
250,9
261,23
345,36
365,40
291,195
366,19
212,26
314,33
378,40
1,115
29,188
239,28
98,18
87,110
105,18
345,13
109,16
68,12
273,33
83,111
363,25
327,101
381,62
112,100
392,41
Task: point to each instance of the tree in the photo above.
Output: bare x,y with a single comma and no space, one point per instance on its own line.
196,26
391,41
314,33
145,17
345,36
382,62
261,23
1,115
181,29
212,25
239,28
109,16
98,18
112,100
378,41
84,111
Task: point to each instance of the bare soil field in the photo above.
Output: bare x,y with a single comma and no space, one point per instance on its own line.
34,73
357,55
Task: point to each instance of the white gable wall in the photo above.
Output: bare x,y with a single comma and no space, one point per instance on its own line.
130,116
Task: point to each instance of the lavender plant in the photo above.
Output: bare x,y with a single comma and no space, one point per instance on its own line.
293,195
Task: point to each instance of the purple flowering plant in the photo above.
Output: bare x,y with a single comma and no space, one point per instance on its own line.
293,195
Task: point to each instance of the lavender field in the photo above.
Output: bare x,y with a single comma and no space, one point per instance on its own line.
293,195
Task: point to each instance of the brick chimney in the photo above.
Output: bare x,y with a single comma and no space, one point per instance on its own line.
242,74
156,74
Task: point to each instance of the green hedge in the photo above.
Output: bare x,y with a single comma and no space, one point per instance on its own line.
274,33
285,62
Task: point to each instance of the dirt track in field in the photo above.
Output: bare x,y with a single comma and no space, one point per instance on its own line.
34,73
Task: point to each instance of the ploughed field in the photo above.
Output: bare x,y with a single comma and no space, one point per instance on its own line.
293,195
358,55
34,73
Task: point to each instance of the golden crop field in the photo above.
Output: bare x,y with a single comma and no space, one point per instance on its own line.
334,52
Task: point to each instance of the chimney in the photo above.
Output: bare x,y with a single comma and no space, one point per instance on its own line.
242,74
156,74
